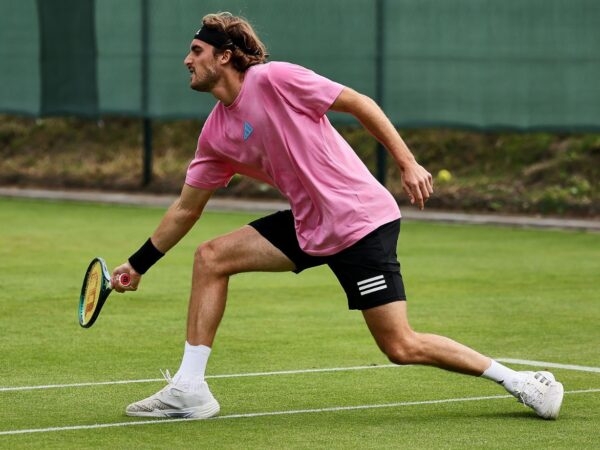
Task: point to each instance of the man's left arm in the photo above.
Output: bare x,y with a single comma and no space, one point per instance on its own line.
416,181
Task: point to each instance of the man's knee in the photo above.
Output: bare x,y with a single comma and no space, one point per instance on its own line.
403,351
207,258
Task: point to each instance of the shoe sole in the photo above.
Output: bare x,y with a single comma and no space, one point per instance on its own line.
198,412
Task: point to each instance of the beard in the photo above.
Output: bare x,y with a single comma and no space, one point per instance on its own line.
206,82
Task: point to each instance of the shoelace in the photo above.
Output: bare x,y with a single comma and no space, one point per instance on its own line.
172,388
176,385
167,376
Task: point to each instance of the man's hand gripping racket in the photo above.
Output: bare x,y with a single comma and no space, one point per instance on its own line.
97,285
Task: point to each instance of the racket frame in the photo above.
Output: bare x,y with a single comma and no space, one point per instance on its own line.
105,287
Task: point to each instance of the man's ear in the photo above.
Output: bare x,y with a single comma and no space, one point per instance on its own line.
225,57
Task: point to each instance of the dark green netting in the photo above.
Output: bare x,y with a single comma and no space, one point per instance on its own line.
20,86
530,64
68,57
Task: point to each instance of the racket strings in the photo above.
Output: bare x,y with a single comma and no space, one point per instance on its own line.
94,287
92,294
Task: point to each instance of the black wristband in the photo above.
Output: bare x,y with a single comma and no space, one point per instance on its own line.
145,257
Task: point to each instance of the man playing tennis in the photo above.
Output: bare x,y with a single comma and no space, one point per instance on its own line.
269,123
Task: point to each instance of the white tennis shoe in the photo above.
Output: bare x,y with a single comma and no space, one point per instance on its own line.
541,392
189,400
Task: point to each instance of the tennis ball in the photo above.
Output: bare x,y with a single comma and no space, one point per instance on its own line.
444,175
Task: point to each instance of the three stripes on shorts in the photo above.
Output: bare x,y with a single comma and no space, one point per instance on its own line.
371,285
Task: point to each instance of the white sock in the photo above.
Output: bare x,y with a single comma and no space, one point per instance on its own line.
193,363
503,375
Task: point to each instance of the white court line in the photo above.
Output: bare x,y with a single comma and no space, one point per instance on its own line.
294,372
62,386
233,375
527,362
270,413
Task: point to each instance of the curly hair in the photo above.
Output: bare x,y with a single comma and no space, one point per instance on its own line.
247,49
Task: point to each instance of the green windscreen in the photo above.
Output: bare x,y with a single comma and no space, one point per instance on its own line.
67,57
486,64
20,90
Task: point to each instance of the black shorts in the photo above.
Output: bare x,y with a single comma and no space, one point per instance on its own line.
368,271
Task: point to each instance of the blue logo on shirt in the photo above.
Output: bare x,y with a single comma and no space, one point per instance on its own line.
247,130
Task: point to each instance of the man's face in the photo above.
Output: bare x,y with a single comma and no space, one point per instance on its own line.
202,64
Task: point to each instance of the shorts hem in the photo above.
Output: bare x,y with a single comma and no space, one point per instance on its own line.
377,303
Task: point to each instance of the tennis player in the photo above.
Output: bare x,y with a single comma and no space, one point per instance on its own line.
270,123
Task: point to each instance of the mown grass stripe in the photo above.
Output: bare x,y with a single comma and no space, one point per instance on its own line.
272,413
292,372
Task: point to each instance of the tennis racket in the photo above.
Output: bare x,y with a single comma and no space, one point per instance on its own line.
96,287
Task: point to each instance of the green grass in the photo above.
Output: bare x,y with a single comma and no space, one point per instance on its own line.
510,293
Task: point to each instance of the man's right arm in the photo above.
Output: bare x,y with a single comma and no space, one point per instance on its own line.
174,225
180,217
416,180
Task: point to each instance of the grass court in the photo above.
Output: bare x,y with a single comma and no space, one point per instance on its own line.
291,367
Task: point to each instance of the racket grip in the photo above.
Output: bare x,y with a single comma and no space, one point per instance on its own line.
124,279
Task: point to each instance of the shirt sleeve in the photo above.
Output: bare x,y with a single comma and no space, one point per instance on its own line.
207,170
304,90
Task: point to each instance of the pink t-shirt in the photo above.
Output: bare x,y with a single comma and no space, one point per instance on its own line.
276,131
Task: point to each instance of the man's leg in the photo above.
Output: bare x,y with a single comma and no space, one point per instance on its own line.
243,250
187,394
396,339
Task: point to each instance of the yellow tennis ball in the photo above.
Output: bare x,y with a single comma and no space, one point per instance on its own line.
444,175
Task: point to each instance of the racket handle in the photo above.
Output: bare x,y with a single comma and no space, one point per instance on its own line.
124,279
